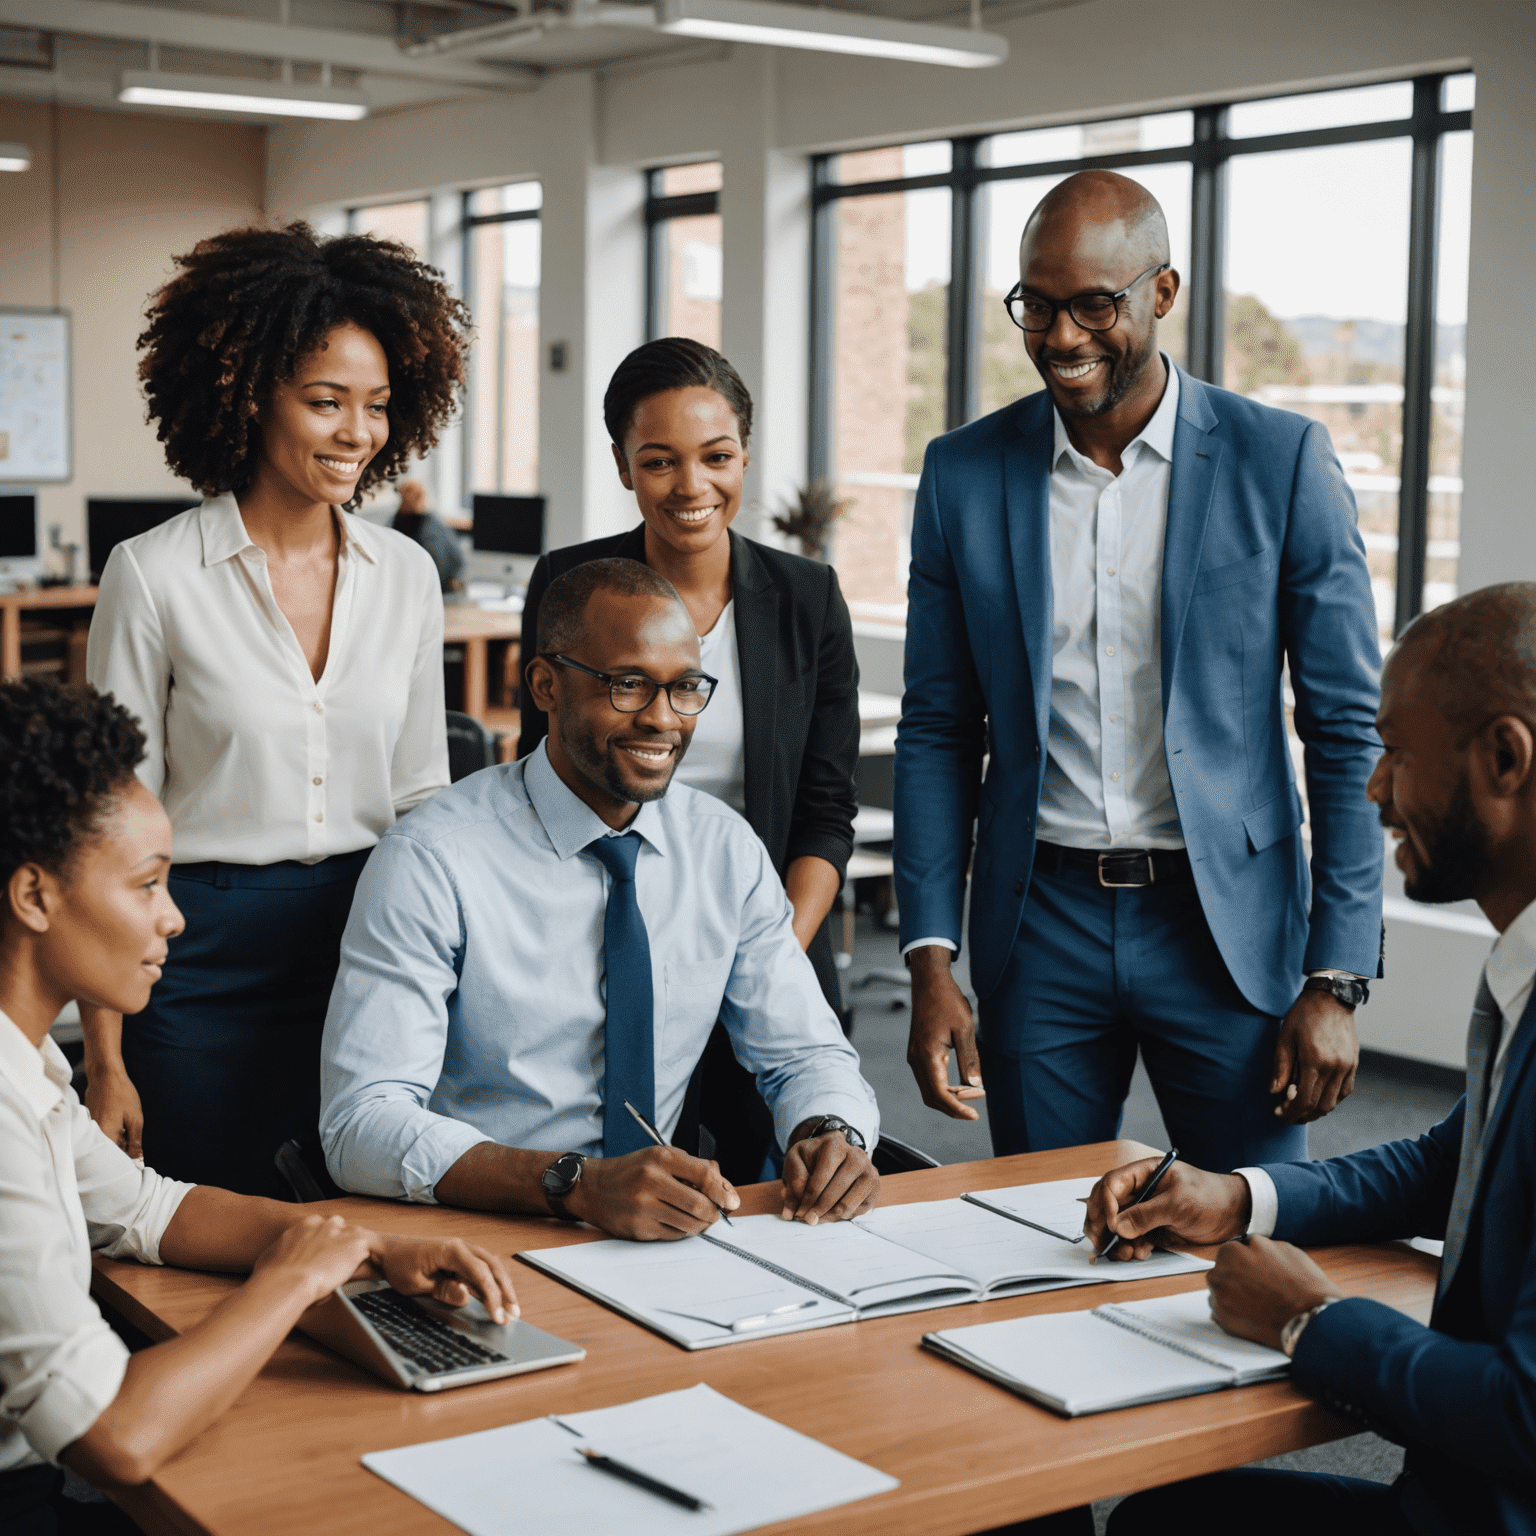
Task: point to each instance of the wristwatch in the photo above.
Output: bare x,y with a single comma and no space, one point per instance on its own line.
559,1179
1291,1333
836,1123
1350,990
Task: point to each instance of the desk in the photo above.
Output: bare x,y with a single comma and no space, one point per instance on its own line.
969,1455
472,628
14,604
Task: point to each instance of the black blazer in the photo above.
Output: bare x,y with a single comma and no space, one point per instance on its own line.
799,691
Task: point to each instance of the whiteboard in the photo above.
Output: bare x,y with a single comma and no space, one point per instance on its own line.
35,437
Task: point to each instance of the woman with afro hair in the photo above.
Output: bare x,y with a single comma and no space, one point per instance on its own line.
285,661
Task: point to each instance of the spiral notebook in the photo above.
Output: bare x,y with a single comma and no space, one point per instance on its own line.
761,1276
1116,1356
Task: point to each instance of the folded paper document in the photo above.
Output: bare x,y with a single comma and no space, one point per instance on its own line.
763,1276
1112,1357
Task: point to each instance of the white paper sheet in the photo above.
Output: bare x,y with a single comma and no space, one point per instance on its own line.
1057,1207
526,1478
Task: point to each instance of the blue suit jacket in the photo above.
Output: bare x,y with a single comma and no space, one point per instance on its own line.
1460,1394
1262,561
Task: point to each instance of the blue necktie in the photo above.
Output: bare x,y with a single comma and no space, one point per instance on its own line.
1482,1052
629,1051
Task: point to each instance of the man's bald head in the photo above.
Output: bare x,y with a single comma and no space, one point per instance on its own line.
1478,654
1120,212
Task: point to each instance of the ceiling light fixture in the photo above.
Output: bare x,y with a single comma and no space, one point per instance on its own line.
220,93
15,157
802,26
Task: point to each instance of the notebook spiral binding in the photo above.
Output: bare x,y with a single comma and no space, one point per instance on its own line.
1113,1314
783,1274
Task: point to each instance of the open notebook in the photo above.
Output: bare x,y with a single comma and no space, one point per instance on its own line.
764,1276
1113,1357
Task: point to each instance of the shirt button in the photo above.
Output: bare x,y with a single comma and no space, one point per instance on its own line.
1112,720
1109,650
1114,775
322,818
316,779
319,707
1111,570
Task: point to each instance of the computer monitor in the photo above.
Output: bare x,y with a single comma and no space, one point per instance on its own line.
508,536
19,559
111,519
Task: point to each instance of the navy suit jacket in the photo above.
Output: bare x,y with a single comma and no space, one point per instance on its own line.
1262,562
1461,1393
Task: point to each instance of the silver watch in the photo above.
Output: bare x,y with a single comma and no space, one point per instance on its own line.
1291,1334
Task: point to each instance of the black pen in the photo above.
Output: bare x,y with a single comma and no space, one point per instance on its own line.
639,1479
655,1135
1147,1190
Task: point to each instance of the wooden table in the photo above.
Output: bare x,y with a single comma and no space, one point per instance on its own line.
969,1454
14,604
472,628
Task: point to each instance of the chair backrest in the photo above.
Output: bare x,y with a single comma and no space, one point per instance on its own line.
301,1164
893,1156
470,746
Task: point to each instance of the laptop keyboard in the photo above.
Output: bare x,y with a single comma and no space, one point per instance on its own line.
424,1340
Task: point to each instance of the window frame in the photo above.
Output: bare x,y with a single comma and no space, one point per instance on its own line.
468,224
1209,152
660,209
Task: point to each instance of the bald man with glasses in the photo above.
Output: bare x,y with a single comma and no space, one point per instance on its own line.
1107,578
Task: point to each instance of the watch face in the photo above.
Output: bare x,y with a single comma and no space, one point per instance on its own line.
561,1175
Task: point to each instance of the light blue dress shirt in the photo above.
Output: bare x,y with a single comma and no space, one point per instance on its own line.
470,1002
1106,775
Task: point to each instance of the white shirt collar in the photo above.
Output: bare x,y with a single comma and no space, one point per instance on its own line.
569,822
1156,435
40,1075
1512,965
224,531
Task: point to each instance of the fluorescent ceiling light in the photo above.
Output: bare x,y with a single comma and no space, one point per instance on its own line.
15,157
220,93
802,26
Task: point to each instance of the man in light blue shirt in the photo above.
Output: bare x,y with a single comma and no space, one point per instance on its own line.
477,1054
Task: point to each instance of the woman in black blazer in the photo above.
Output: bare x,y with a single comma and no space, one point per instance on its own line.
680,419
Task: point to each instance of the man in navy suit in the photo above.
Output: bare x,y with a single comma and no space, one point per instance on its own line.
1106,579
1457,785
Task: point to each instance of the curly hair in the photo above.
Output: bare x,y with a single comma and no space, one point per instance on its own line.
248,305
673,362
65,754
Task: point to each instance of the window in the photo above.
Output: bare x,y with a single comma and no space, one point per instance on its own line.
501,285
684,265
405,223
1322,240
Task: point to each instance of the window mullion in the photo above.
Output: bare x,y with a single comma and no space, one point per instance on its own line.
960,338
1418,352
1207,247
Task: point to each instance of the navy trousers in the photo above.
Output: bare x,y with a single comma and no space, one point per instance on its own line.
32,1503
226,1057
1097,974
1260,1502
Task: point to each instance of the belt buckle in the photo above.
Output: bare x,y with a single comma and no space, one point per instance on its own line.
1126,885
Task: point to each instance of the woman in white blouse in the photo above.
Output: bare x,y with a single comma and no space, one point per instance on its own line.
84,850
285,660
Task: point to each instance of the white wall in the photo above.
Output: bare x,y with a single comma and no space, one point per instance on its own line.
132,191
762,113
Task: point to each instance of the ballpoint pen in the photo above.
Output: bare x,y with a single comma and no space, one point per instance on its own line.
1147,1190
601,1463
655,1135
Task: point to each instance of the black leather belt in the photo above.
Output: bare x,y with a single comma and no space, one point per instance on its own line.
1117,868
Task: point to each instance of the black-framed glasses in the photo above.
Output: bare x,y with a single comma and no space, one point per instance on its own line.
633,691
1090,311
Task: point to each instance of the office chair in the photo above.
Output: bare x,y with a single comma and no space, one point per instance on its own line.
470,746
301,1166
893,1156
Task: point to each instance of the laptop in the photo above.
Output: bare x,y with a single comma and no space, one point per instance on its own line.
416,1342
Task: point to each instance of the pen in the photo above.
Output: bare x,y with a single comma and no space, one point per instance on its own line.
655,1135
614,1468
1147,1190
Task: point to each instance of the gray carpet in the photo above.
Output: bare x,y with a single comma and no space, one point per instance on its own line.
1391,1099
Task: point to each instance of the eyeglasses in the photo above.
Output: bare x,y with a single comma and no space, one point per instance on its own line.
1090,311
631,692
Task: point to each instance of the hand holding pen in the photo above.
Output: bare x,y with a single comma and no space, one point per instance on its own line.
1185,1207
655,1135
